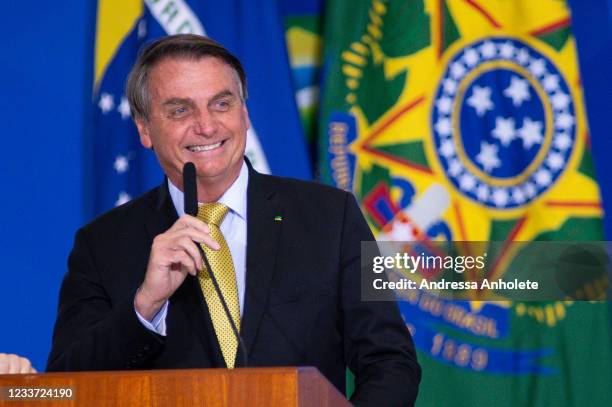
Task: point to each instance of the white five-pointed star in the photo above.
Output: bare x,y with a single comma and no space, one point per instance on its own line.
543,177
124,108
488,50
537,67
551,83
447,149
531,133
564,121
487,157
121,164
530,190
504,130
106,103
471,57
482,192
455,168
481,100
522,57
506,50
518,91
457,70
443,126
450,86
500,197
518,196
467,182
555,161
444,104
560,100
123,198
562,141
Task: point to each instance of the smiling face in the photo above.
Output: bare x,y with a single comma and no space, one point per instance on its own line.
196,114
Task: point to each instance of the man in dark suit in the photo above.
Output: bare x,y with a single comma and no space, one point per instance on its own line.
136,296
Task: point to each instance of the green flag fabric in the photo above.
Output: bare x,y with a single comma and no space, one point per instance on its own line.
464,120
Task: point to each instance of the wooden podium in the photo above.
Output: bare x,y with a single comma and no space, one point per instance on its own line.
269,387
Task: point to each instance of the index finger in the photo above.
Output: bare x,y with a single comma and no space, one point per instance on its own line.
192,222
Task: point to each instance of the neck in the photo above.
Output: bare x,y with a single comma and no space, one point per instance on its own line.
209,189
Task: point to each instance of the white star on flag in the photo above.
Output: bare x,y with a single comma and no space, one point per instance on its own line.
450,86
481,100
555,161
471,57
530,190
537,67
488,50
564,121
455,168
551,83
560,100
122,164
106,103
444,104
482,192
500,197
447,149
504,130
123,198
562,141
522,57
124,108
531,133
487,157
443,126
518,91
467,182
457,70
543,177
506,50
518,196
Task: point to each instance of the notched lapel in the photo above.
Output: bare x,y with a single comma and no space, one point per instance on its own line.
264,223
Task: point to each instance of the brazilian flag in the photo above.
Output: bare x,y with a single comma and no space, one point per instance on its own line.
464,120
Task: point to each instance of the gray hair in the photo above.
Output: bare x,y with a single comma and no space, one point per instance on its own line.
183,46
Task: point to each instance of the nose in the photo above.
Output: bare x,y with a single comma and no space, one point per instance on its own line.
205,124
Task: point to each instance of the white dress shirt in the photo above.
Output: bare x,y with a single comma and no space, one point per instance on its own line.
234,229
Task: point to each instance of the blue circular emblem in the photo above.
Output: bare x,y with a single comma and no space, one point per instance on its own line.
503,122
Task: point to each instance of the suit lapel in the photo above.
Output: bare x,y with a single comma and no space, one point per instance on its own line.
188,298
263,233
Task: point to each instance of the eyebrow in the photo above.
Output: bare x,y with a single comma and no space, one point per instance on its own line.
187,101
177,101
222,94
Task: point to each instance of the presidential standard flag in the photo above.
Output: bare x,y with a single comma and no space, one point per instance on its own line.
463,120
251,30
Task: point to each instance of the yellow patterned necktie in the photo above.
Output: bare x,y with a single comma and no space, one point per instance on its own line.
223,268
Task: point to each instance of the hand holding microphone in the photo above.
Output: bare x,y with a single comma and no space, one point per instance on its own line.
173,256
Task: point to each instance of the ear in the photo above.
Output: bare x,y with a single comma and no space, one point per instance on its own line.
144,133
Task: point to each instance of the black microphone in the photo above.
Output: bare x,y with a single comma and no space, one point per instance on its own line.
190,189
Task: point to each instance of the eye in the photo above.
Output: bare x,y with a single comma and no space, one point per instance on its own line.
222,105
179,111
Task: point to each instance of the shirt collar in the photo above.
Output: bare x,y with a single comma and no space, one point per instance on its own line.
234,198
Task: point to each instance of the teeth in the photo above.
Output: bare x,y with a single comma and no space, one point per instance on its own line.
196,149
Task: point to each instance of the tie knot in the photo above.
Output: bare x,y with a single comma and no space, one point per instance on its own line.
212,213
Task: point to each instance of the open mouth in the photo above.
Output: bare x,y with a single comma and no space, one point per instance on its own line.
205,147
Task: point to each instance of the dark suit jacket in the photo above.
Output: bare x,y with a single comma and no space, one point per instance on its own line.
302,303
